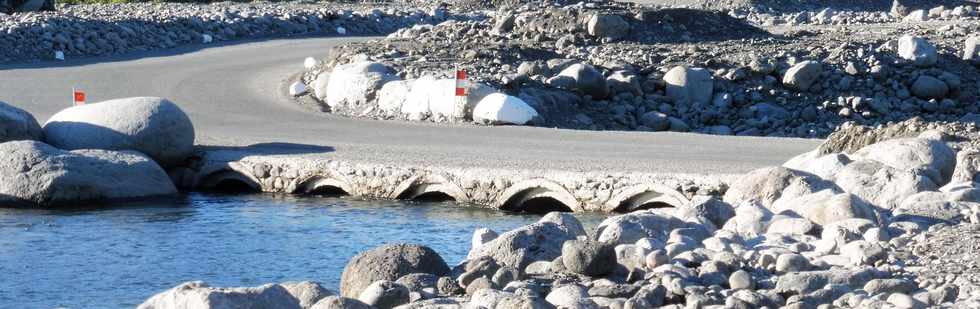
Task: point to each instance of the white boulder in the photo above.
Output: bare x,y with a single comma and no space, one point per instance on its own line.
354,84
689,85
972,49
199,295
499,108
17,124
926,156
766,185
827,207
310,62
320,84
392,95
36,174
154,126
917,50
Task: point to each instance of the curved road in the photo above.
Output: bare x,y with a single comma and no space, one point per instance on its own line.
233,95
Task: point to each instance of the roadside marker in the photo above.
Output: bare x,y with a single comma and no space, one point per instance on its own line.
78,97
459,109
460,83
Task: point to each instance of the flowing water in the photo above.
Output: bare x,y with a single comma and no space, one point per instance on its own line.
116,257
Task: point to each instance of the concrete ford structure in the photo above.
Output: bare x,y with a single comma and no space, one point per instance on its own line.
525,190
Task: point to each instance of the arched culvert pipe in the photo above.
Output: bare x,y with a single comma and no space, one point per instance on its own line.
229,181
323,186
430,189
538,196
645,197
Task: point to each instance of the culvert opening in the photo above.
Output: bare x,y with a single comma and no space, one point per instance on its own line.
434,196
538,205
328,191
643,201
228,182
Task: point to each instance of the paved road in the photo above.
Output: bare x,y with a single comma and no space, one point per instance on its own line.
231,93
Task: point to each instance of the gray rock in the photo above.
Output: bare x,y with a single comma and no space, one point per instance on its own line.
389,262
565,221
588,257
587,79
384,294
809,281
792,262
741,280
417,282
17,124
928,87
888,286
656,258
608,26
827,207
905,301
918,50
766,185
882,185
197,294
504,24
861,252
656,120
802,75
930,157
689,85
567,295
649,296
337,302
154,126
629,228
36,174
712,208
541,241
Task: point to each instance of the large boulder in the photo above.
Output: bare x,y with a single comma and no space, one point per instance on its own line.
432,97
881,185
689,85
354,84
389,262
803,75
392,95
766,185
338,302
928,87
17,124
540,241
588,257
823,166
930,157
608,26
918,50
385,294
154,126
36,174
631,227
826,207
199,295
587,79
499,108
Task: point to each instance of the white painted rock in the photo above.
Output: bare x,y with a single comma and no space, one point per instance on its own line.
309,63
297,88
916,16
691,85
972,49
392,95
154,126
17,124
917,50
355,84
206,38
320,84
199,295
437,98
802,75
499,108
36,174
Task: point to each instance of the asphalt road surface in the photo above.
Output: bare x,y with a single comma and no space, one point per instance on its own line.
232,93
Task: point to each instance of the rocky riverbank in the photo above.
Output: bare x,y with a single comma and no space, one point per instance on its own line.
874,218
610,66
106,29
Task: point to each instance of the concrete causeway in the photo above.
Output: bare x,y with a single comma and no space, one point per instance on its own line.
234,96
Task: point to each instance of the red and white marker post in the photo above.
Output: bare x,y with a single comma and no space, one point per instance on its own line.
78,97
459,110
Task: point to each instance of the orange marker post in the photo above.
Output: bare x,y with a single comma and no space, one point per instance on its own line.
459,109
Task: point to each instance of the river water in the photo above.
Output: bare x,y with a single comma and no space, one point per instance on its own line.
116,257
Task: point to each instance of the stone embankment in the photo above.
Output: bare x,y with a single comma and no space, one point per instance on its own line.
883,222
609,66
107,29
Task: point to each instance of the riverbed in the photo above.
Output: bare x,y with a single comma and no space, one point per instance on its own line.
117,256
